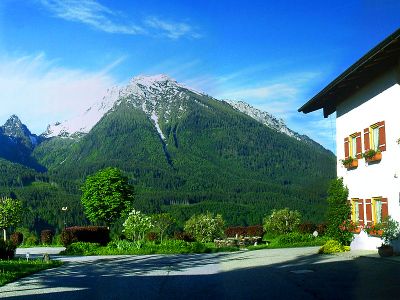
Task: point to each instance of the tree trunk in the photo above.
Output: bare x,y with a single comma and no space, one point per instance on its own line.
4,234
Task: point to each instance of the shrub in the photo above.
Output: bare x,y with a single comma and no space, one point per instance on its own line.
282,221
307,227
90,234
333,246
30,240
183,236
293,238
248,231
321,229
205,227
46,237
152,236
137,225
82,248
7,249
17,238
338,213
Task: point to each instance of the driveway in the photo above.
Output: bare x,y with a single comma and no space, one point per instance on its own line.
275,274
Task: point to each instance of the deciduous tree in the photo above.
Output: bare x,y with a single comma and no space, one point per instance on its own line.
282,221
205,227
106,195
10,213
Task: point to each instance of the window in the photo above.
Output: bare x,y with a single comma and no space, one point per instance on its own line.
375,137
379,209
357,211
352,146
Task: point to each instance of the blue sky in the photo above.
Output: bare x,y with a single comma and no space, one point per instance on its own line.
57,57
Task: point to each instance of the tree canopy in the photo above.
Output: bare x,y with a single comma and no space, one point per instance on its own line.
10,213
106,195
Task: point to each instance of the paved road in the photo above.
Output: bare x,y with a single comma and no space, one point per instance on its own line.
272,274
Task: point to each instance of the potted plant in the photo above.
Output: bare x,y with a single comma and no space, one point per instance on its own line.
372,155
390,232
350,163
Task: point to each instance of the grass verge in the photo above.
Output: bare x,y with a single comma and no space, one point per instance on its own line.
11,270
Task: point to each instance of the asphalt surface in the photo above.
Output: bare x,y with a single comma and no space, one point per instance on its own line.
264,274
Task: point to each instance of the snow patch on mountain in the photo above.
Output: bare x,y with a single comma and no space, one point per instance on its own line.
264,118
154,117
154,95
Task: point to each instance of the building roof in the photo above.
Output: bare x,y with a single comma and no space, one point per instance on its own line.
381,58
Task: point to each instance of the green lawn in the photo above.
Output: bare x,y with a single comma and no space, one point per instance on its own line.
11,270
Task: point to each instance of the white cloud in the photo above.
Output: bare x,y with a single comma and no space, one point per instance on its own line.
100,17
172,30
90,13
40,92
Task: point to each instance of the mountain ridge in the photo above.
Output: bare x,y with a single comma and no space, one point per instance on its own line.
144,87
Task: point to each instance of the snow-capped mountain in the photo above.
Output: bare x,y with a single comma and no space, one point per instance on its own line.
160,98
157,96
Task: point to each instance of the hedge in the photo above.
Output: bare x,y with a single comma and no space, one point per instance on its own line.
89,234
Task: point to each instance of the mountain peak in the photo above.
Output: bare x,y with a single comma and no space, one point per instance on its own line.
14,129
13,120
147,80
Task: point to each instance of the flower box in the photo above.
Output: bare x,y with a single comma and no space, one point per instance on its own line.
376,157
351,165
376,233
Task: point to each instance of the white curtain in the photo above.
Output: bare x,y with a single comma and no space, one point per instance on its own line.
353,153
378,211
375,136
356,212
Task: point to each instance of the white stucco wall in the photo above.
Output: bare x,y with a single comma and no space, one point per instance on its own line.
379,101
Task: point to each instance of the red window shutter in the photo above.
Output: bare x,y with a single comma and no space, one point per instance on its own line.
368,211
385,211
361,211
346,148
382,136
366,139
358,145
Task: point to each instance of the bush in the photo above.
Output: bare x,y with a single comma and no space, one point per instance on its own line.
321,229
89,234
46,237
30,240
248,231
282,221
183,236
205,227
333,246
30,237
152,236
293,238
338,213
307,227
137,225
7,249
17,238
82,248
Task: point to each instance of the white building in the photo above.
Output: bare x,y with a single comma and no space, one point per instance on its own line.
366,99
